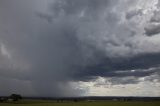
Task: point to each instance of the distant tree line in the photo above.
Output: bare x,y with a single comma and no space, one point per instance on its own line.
12,97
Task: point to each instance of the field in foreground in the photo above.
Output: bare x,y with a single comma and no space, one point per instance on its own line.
83,103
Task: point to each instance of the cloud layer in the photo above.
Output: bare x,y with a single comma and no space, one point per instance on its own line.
49,44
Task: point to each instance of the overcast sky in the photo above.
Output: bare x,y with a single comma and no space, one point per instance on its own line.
80,47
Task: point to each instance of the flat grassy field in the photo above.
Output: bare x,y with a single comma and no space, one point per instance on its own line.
83,103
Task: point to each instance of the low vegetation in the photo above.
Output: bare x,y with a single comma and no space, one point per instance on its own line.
80,103
17,100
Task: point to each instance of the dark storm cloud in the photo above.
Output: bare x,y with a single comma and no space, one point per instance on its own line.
73,40
121,67
152,77
152,30
39,52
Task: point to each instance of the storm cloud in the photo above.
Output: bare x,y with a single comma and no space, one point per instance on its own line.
47,44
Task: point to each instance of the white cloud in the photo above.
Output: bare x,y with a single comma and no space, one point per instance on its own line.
143,88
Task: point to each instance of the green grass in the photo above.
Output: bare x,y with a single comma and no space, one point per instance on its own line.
95,103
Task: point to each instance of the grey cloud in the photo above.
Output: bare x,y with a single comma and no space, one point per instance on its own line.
121,67
47,17
76,7
156,17
153,77
125,80
152,30
79,41
133,13
45,50
116,81
154,25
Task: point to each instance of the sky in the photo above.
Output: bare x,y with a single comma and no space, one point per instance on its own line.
67,48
